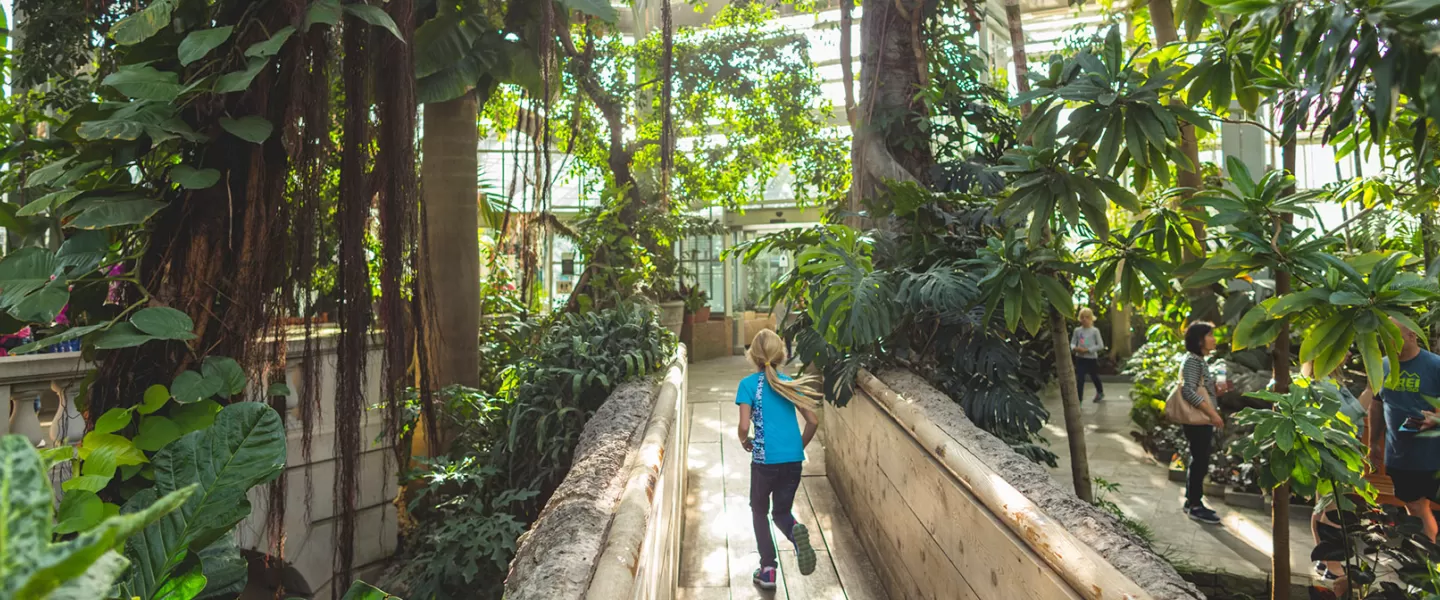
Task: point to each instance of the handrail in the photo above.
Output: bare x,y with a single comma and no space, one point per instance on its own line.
617,567
1088,573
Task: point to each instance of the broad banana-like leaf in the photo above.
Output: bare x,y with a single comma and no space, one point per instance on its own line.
31,567
244,448
364,591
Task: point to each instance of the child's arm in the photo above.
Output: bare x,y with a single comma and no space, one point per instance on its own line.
743,430
812,422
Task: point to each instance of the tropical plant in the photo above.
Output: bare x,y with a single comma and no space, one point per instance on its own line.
188,549
907,293
571,368
1307,444
1358,301
32,565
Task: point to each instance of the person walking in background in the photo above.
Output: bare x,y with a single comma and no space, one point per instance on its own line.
1198,388
1322,528
1411,460
1087,344
770,399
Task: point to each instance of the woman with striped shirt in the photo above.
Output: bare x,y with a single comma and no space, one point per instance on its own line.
1198,387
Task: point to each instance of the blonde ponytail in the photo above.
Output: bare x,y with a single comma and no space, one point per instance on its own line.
767,351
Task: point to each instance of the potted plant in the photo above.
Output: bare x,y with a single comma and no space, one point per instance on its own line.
697,307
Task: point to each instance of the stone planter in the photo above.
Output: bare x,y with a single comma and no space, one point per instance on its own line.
1177,474
672,315
1214,490
699,316
1241,499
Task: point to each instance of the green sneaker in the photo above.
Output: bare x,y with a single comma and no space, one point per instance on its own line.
804,553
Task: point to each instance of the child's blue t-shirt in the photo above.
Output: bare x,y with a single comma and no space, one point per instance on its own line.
777,428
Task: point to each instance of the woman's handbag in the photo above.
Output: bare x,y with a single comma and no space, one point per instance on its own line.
1181,412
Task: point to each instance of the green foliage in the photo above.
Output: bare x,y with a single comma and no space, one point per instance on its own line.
1103,490
1306,443
1122,119
1353,301
243,449
571,367
471,532
1021,280
85,566
908,293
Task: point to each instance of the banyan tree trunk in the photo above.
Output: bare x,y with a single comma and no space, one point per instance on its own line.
452,245
892,71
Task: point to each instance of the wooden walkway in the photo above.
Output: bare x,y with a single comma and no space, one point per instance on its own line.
718,553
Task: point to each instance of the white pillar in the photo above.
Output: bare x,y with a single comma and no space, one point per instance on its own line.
1244,142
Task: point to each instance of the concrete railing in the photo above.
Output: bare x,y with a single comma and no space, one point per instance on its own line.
946,510
54,381
612,529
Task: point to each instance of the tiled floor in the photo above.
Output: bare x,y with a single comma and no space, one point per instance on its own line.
719,555
1240,545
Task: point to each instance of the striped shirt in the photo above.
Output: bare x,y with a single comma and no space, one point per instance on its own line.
1195,373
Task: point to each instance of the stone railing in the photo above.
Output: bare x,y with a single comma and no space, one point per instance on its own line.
53,381
612,529
946,510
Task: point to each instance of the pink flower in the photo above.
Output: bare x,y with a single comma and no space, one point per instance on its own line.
62,318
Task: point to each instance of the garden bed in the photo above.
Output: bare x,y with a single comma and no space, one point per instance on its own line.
1060,514
613,524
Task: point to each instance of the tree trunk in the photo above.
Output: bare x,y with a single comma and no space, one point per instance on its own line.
452,243
1162,18
1430,244
1017,50
1280,371
847,59
1070,399
1120,334
891,74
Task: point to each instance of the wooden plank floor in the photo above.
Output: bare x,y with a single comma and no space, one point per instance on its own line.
718,554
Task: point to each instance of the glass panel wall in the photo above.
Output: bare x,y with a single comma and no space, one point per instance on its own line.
700,265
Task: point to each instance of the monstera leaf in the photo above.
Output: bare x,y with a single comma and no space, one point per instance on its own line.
244,448
83,567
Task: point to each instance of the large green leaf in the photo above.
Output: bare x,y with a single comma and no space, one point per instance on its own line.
191,386
199,43
64,336
239,81
374,15
594,8
23,272
364,591
322,11
227,372
191,178
226,570
145,83
48,202
122,335
114,213
143,25
252,129
244,448
272,46
164,322
111,129
33,567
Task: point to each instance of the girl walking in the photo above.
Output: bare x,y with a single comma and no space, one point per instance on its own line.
1087,344
771,400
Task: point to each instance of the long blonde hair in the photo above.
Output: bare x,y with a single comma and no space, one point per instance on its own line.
767,352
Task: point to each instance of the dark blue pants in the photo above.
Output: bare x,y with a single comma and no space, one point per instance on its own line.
780,481
1091,367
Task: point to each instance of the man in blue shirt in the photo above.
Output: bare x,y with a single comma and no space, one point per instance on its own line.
1411,460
